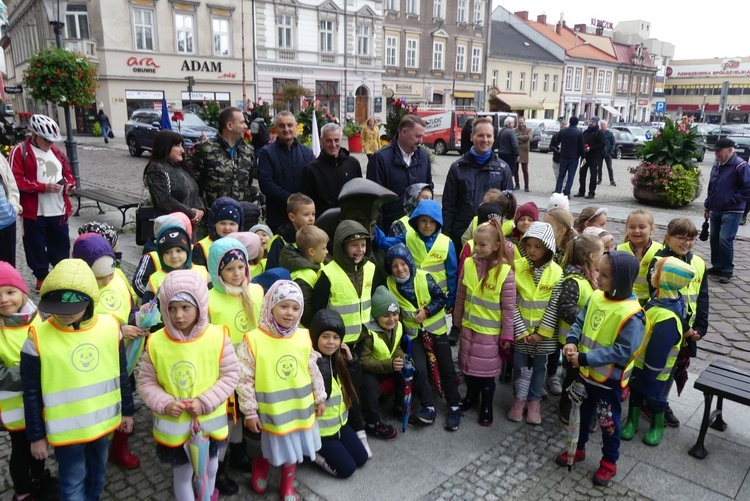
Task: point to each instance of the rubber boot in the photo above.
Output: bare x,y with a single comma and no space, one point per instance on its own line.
472,395
485,408
119,452
656,431
225,485
630,428
259,477
286,490
239,459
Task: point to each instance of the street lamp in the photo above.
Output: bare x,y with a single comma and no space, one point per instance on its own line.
56,10
637,60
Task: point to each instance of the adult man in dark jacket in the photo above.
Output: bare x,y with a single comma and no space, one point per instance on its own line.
571,151
280,166
466,136
468,180
609,146
594,141
399,165
728,191
507,146
323,178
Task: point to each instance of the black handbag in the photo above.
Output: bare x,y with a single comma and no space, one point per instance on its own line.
144,218
110,134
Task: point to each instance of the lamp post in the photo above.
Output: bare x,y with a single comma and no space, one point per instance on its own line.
637,60
56,14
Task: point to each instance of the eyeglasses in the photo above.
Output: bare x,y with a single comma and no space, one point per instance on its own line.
685,240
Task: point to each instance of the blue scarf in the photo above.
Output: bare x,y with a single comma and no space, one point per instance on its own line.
480,159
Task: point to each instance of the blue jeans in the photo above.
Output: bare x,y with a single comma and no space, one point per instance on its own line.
538,372
81,470
723,230
606,404
105,131
567,167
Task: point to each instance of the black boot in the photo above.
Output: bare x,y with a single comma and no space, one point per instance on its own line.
472,395
239,459
485,408
225,485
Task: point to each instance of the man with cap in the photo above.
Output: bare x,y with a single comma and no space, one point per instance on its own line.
594,144
728,192
571,151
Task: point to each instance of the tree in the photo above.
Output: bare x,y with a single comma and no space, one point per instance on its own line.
61,77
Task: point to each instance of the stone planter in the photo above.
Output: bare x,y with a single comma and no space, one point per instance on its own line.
648,197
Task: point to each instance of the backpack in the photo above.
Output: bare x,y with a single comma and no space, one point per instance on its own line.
264,135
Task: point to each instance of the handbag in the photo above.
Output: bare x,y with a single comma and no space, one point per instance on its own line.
110,134
144,217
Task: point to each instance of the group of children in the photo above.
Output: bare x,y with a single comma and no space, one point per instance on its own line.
266,332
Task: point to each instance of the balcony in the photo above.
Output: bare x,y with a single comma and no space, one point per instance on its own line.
327,59
86,47
286,55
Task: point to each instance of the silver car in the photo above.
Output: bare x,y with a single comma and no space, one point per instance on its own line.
546,137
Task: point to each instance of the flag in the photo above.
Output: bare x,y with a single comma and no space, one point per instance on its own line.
165,122
315,134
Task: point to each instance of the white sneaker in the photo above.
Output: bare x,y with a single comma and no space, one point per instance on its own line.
321,461
363,438
554,384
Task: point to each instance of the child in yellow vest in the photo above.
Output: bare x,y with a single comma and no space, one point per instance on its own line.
638,226
301,212
265,234
188,372
108,232
562,224
525,215
536,275
275,359
304,261
591,217
604,341
17,314
73,369
234,303
414,194
502,207
224,217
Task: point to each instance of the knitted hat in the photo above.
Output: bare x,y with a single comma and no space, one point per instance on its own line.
673,275
383,302
528,209
104,229
595,119
173,237
231,255
558,201
262,227
486,212
9,277
92,247
225,209
542,231
250,240
175,219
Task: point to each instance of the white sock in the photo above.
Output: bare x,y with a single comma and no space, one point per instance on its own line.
182,480
363,438
213,467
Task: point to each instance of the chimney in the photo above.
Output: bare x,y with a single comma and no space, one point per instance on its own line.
541,19
523,14
581,28
558,27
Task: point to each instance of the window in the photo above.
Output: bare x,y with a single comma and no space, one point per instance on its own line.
494,78
412,52
554,83
412,7
326,35
522,81
619,82
363,40
533,81
437,55
590,80
460,58
608,82
577,79
625,82
184,25
600,81
647,90
508,80
478,12
461,14
284,24
642,87
545,85
391,51
222,38
391,5
634,84
77,22
143,24
568,78
437,9
476,59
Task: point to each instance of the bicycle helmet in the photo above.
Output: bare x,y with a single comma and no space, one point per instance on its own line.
45,127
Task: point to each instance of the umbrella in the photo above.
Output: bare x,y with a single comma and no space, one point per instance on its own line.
165,122
681,368
523,383
198,452
408,373
577,394
146,317
432,364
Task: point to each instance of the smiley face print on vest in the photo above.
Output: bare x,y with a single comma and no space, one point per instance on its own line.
240,321
183,375
597,318
85,357
287,367
110,300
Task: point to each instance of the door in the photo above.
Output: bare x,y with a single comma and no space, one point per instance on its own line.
361,105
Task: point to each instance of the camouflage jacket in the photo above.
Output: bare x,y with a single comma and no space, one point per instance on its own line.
220,175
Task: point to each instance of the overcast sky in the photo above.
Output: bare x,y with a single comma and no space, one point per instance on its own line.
697,29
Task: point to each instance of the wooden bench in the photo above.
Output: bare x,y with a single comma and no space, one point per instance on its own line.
721,380
122,201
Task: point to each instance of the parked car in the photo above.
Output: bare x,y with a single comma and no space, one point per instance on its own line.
626,144
143,125
743,146
640,133
546,137
537,125
725,130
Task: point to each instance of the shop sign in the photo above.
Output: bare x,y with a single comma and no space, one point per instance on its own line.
14,90
144,94
203,66
643,102
142,65
403,89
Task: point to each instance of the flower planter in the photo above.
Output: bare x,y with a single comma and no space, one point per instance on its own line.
355,143
649,197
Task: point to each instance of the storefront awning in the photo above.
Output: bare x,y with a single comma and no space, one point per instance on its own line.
612,111
519,101
463,94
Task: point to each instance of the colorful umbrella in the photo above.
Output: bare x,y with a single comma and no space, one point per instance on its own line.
408,373
198,452
146,317
577,394
432,364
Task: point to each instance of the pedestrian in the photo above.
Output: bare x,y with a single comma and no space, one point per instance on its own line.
638,228
609,147
399,165
188,372
593,138
466,131
523,134
728,194
571,152
507,147
554,147
10,209
260,135
280,167
45,182
106,127
370,138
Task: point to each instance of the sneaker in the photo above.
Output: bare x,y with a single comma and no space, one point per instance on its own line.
517,187
605,473
613,183
427,415
321,461
562,459
670,419
713,271
589,196
453,420
381,430
39,283
579,195
526,189
743,221
599,182
516,410
725,279
534,412
362,435
554,384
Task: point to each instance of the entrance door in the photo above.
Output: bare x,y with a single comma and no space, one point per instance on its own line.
361,105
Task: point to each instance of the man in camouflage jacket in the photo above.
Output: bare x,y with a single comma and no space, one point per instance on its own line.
225,165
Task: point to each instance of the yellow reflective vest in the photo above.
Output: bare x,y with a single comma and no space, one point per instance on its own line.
640,286
186,370
307,275
80,372
655,315
205,245
117,298
435,324
283,385
155,260
532,299
380,350
585,289
11,402
354,309
482,309
601,327
433,262
157,277
257,269
336,413
693,289
227,310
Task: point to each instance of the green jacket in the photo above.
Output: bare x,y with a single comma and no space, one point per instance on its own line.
221,174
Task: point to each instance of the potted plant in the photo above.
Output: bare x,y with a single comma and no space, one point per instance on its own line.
667,174
395,114
62,77
353,132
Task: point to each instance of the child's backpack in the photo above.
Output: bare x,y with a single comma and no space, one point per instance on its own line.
264,134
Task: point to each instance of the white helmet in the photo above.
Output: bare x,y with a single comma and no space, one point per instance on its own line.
44,126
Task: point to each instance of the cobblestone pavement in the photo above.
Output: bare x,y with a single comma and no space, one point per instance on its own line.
507,461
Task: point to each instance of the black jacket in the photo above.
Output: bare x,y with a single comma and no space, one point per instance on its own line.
507,142
279,175
323,178
466,138
571,143
593,137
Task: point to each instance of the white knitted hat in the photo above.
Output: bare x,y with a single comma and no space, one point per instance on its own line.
558,201
542,231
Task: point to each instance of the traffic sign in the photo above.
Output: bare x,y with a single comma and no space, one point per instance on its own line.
14,90
661,107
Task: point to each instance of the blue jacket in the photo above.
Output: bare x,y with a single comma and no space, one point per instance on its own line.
571,143
388,169
729,186
279,175
406,289
432,209
609,139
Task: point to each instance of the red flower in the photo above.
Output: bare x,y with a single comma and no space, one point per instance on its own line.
178,116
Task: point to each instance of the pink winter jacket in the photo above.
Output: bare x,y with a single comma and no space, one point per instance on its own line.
151,391
479,354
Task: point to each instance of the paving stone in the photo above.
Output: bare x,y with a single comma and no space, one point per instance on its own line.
715,348
742,345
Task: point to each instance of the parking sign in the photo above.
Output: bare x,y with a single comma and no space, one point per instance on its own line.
661,106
